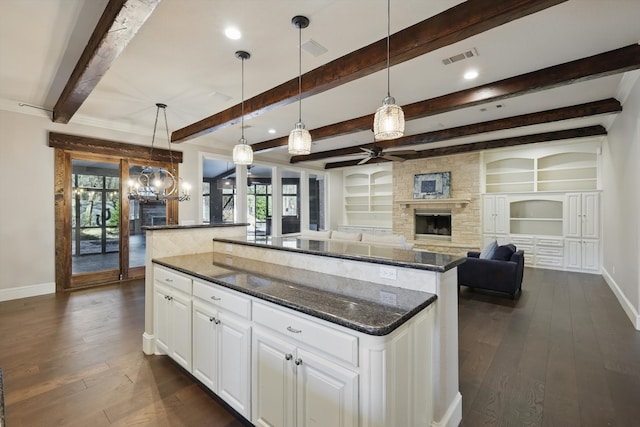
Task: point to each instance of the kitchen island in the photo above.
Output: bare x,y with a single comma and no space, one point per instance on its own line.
348,334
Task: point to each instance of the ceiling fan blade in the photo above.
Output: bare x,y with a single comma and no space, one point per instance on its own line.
393,158
363,161
367,150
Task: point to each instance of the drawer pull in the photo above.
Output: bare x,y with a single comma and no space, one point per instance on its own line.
295,331
288,356
298,361
215,298
168,280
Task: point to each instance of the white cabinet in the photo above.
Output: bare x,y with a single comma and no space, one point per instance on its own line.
495,224
172,315
294,384
222,344
582,231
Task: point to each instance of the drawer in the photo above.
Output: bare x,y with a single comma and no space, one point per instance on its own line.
549,261
172,278
522,240
528,249
341,345
550,251
223,298
549,241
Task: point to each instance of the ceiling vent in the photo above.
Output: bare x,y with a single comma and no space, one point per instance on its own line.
459,57
314,48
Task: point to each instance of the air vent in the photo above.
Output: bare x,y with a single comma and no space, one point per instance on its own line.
459,57
313,47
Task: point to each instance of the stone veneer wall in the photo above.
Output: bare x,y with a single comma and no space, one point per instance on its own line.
465,184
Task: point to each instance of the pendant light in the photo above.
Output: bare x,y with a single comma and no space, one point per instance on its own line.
300,138
242,152
389,119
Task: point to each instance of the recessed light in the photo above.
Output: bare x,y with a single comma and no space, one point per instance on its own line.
232,33
470,75
271,131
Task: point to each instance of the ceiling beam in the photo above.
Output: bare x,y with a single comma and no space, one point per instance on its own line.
605,106
496,143
604,64
453,25
117,26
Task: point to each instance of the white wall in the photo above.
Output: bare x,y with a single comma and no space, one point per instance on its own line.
621,205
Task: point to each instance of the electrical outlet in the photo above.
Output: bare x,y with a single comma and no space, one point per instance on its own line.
388,273
388,298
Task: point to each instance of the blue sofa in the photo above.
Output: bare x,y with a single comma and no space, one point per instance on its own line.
500,275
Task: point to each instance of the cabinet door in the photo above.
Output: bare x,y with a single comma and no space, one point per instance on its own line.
572,253
327,394
573,216
273,398
489,217
501,215
180,348
205,345
161,322
234,381
591,255
590,215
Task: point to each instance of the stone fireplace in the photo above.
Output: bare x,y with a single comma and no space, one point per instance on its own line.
463,208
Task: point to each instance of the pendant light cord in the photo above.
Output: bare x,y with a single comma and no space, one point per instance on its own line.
242,108
388,37
299,73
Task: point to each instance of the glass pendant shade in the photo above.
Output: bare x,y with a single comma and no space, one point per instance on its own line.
388,122
299,140
242,153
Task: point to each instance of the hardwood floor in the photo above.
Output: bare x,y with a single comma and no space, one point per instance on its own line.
563,354
75,359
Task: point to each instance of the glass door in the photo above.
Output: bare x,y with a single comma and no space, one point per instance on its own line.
95,221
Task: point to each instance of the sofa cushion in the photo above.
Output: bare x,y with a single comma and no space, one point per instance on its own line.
316,235
488,250
504,252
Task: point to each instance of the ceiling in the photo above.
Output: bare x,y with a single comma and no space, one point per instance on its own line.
181,57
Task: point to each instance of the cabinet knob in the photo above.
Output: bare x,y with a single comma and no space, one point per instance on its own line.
298,361
288,356
211,319
295,331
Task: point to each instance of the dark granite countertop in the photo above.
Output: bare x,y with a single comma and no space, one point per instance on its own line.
185,227
355,304
378,254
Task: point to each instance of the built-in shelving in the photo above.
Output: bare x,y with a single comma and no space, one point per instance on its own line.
368,197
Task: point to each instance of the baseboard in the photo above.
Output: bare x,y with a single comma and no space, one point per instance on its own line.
27,291
148,343
453,416
622,299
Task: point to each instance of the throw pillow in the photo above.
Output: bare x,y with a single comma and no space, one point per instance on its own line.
504,252
488,250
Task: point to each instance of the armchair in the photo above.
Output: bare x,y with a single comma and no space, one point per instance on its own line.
493,274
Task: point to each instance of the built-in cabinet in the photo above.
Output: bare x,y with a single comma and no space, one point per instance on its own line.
368,197
279,367
222,343
172,316
582,231
548,199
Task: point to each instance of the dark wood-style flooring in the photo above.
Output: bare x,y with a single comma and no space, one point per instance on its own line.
563,354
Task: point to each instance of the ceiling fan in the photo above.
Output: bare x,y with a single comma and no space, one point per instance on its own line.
378,153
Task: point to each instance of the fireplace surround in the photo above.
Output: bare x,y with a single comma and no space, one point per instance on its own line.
432,224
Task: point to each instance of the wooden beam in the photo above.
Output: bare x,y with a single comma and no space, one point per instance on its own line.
111,148
605,106
601,65
496,143
453,25
117,26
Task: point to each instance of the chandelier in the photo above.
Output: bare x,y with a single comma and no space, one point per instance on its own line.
156,183
388,122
